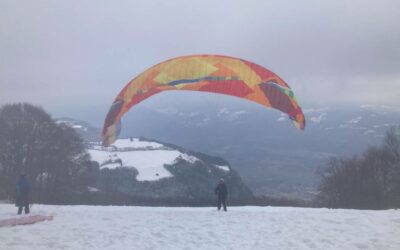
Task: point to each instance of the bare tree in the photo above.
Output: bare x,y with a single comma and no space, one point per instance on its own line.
371,181
48,153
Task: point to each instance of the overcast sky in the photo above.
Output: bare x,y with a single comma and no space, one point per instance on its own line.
73,57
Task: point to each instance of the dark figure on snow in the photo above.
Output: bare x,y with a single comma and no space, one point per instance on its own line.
22,190
222,193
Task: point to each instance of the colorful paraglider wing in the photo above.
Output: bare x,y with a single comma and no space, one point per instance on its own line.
208,73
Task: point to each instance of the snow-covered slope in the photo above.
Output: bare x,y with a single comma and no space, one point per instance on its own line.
140,171
148,158
99,227
136,143
150,164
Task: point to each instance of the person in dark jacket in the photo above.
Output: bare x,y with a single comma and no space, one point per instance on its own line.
22,190
222,192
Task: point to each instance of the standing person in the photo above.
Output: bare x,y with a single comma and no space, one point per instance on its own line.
222,193
23,190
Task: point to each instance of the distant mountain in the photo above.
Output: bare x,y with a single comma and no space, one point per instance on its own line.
84,129
151,171
271,156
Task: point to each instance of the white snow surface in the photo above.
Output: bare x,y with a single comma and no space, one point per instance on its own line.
147,157
113,227
319,119
136,143
150,164
225,168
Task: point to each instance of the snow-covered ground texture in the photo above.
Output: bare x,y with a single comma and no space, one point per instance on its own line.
111,227
150,164
135,143
147,157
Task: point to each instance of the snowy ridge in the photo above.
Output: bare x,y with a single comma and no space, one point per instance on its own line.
319,118
135,143
84,129
224,168
72,124
186,157
153,173
366,119
148,158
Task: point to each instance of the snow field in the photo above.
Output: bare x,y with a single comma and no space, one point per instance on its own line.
225,168
149,163
136,143
112,227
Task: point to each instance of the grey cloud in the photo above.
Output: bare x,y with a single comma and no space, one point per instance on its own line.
74,56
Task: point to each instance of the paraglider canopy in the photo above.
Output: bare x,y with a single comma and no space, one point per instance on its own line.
207,73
